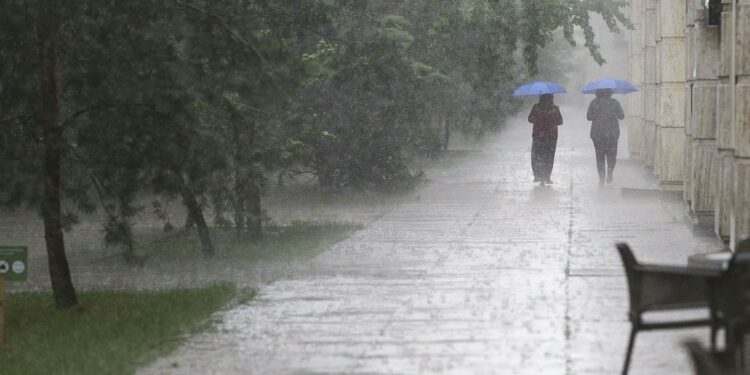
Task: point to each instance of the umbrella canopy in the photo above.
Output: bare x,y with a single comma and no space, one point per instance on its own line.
539,88
618,86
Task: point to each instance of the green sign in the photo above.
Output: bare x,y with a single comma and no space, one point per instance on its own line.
14,262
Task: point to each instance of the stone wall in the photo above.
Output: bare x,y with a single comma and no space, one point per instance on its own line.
634,115
701,162
671,50
740,219
691,122
725,147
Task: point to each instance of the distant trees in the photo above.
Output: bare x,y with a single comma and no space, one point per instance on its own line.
397,77
202,100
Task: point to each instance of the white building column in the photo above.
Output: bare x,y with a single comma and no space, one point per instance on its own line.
634,111
740,218
703,74
669,165
649,92
724,131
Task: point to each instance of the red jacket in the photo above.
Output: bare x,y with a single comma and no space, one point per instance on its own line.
546,119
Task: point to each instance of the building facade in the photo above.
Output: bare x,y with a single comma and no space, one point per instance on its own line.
690,122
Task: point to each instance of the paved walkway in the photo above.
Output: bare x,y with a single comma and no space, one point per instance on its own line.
480,273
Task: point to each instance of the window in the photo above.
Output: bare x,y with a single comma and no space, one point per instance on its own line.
713,12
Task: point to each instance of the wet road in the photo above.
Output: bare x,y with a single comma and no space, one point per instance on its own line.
480,272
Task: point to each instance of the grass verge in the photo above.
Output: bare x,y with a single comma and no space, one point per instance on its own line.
112,332
297,241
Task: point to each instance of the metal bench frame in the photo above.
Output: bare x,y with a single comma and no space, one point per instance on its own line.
665,288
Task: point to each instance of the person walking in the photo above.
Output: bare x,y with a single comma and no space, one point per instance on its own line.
604,113
546,117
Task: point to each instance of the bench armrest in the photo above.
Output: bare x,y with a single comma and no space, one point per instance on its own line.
678,270
660,287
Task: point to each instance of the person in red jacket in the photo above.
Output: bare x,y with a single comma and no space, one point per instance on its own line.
546,117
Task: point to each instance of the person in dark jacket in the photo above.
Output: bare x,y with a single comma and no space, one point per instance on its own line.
604,113
546,117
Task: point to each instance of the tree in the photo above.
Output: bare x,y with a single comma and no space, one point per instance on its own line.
116,85
398,76
102,101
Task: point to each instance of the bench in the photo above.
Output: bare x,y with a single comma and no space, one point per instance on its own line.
664,288
726,294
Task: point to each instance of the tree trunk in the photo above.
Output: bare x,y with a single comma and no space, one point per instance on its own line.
468,121
59,271
196,213
360,6
248,212
247,209
254,219
447,133
239,206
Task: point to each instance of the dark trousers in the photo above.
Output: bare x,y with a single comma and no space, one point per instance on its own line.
606,152
543,159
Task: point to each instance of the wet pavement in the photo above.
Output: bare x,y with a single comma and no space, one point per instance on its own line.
479,272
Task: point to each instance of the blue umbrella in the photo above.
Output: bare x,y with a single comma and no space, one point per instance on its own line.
618,86
539,88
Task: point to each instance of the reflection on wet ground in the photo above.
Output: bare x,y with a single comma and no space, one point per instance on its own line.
479,271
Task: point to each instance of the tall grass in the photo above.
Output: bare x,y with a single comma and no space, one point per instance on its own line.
112,332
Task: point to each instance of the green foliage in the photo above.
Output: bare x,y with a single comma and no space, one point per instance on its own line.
204,100
541,18
393,78
365,106
172,93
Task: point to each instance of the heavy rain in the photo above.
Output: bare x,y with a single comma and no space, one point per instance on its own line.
374,187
